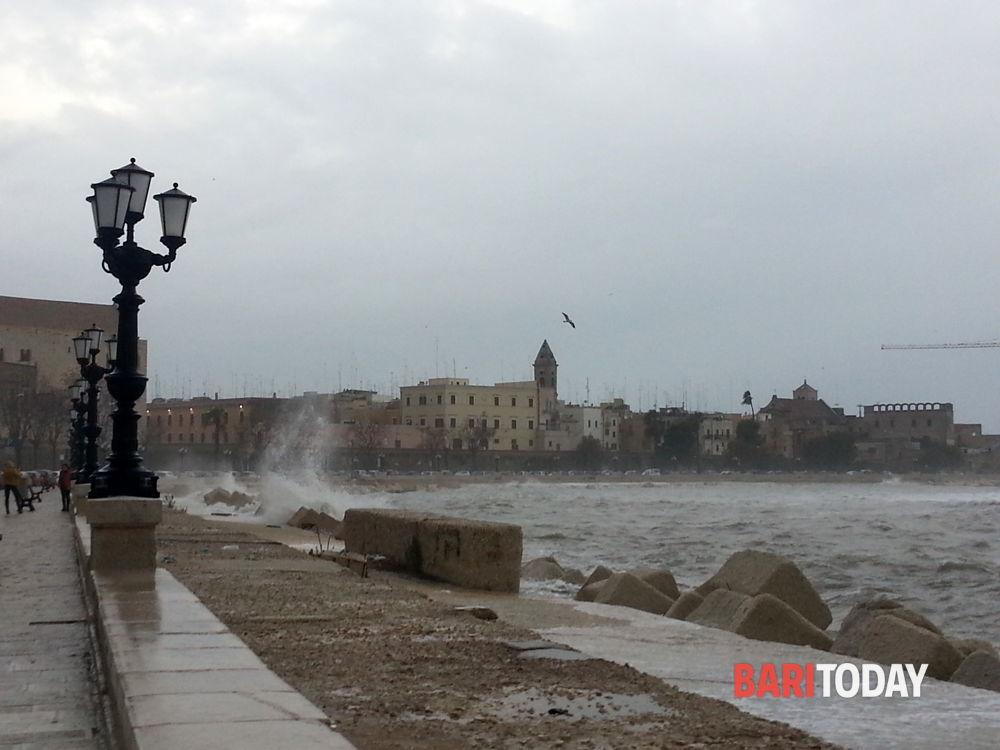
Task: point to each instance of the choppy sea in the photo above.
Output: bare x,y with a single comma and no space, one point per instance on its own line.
935,548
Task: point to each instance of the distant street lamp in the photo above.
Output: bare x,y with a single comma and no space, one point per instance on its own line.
76,416
118,205
86,347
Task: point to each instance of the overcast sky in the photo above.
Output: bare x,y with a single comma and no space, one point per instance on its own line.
724,195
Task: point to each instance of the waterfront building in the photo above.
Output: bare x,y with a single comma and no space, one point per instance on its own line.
787,424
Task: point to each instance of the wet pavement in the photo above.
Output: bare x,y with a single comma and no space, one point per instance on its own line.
700,660
47,697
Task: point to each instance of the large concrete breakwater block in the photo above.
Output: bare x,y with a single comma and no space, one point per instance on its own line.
472,554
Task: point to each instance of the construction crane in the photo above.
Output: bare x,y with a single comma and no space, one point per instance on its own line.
965,345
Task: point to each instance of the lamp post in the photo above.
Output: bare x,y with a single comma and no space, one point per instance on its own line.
76,413
86,347
118,205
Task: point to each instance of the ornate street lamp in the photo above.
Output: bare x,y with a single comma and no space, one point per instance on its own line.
77,412
86,347
118,205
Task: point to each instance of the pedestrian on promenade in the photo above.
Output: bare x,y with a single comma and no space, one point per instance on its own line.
65,484
11,480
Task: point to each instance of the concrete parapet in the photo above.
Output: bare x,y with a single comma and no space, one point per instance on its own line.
123,533
472,554
78,494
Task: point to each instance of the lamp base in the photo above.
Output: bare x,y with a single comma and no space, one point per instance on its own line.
111,483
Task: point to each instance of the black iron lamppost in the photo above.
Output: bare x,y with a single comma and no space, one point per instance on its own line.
86,346
77,412
118,204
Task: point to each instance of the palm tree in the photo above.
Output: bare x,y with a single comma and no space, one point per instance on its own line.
748,401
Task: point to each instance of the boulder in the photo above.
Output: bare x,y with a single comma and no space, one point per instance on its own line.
600,573
327,524
573,576
686,603
218,495
240,499
968,646
979,670
752,572
892,640
766,618
589,591
542,569
660,579
863,613
718,609
625,590
303,518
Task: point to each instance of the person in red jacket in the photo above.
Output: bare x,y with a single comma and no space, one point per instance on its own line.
65,485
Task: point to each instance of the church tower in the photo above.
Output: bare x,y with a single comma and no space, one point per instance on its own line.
545,369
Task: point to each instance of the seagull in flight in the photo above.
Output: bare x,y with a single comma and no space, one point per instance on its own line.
567,320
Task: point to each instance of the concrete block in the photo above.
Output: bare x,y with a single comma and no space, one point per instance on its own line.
123,533
660,579
967,646
600,573
766,618
542,569
752,572
685,604
892,640
979,670
626,590
473,554
864,613
718,609
588,592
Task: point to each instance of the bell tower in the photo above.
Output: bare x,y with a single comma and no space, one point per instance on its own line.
545,369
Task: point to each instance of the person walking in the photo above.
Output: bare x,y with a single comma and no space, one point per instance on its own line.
65,485
11,480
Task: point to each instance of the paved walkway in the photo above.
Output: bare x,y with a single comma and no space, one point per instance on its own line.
46,693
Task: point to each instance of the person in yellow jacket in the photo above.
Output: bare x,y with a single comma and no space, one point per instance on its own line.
11,480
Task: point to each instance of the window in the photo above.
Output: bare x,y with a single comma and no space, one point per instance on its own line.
439,422
191,437
452,423
496,401
472,400
930,422
472,423
399,444
456,444
26,355
407,400
1,354
531,424
423,422
513,401
496,424
513,424
242,416
541,382
513,445
496,441
423,400
170,419
190,419
439,398
159,419
409,421
531,443
453,398
531,402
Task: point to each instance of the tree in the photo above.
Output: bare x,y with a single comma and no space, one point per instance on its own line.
589,453
215,417
748,401
835,451
478,435
746,446
680,439
367,434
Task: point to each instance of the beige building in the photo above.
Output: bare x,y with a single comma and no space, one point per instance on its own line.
456,415
716,431
39,333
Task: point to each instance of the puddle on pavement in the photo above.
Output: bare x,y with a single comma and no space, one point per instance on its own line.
534,702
